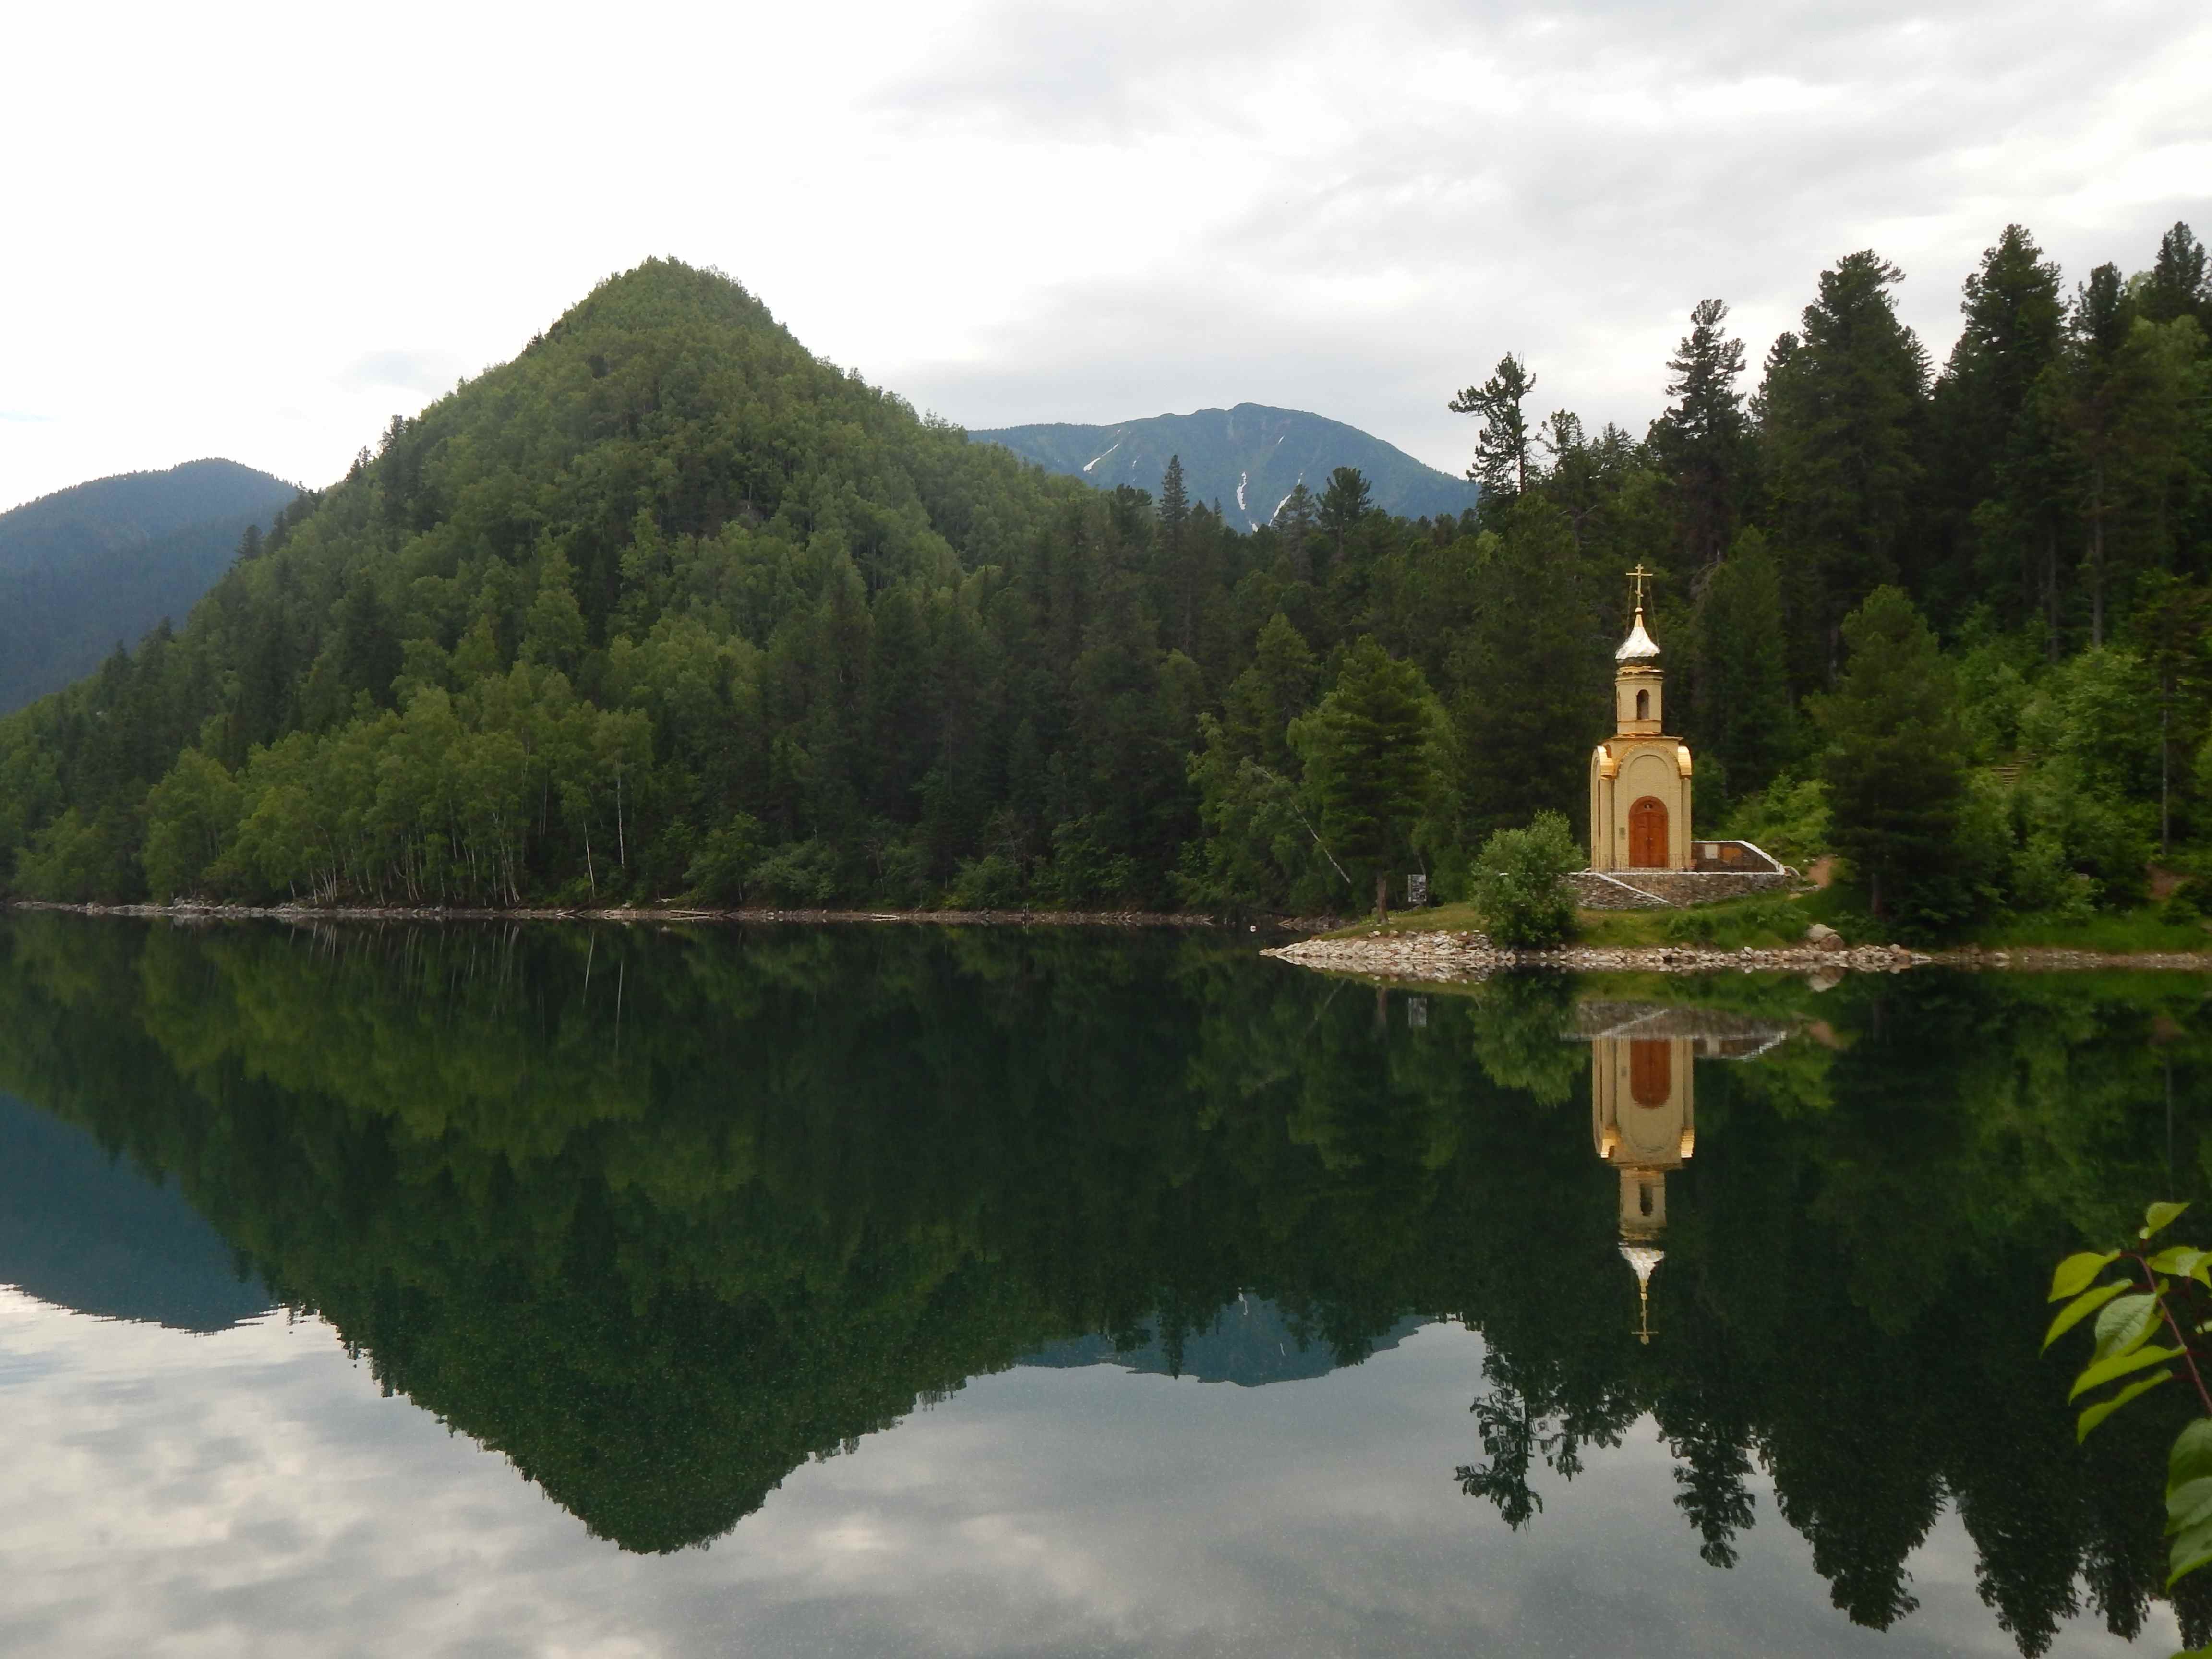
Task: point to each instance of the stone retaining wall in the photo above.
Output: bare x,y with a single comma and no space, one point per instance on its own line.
1636,889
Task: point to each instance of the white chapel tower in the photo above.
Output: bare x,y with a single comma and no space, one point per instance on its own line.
1639,776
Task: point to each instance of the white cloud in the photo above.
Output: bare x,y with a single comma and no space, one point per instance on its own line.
1025,212
251,1494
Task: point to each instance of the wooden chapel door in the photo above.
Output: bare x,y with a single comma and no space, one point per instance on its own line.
1647,834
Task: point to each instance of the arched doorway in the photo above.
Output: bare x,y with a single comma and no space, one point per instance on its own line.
1650,1072
1647,834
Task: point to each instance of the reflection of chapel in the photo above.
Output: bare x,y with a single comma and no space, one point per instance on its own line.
1639,776
1643,1119
1644,1107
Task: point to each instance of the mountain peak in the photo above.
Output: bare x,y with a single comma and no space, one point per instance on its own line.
1248,457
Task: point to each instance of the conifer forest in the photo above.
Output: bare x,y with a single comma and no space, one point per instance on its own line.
668,608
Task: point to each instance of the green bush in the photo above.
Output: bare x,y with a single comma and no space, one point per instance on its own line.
1788,819
725,861
1517,887
990,883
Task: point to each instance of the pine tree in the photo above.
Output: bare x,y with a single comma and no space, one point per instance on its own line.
1294,522
1343,504
1990,445
1502,447
1699,441
1175,540
1895,761
1368,761
1744,721
2179,284
1842,418
1530,675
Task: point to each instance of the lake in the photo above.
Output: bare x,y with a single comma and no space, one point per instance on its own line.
572,1290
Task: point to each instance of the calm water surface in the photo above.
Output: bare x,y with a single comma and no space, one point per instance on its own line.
584,1292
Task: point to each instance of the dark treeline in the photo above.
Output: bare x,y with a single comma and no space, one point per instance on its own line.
668,606
661,1216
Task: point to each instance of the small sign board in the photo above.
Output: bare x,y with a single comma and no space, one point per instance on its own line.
1417,890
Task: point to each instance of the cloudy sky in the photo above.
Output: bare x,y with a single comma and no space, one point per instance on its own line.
169,1496
259,230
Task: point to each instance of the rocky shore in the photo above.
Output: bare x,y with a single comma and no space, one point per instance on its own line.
1444,957
188,912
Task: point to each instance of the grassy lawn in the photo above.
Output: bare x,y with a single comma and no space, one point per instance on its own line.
1768,919
2143,928
1771,920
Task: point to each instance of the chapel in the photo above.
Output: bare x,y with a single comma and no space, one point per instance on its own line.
1639,776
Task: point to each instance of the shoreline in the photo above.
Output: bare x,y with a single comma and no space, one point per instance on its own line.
1447,958
667,914
1437,956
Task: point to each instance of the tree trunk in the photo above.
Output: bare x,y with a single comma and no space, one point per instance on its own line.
1382,895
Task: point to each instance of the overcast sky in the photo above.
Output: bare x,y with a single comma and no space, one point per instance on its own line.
259,231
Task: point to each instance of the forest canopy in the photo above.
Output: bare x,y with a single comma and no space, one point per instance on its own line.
668,606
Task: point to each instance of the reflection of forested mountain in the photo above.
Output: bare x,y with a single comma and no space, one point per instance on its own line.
660,1217
84,1230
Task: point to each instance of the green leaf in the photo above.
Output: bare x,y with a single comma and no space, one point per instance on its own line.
2188,1504
2190,1458
2105,1370
2158,1218
2080,1309
2103,1408
2125,1324
2191,1549
2074,1274
2179,1259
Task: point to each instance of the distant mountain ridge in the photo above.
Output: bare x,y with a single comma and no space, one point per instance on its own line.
101,564
1248,458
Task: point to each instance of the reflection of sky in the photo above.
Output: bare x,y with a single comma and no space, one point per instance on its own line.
249,1493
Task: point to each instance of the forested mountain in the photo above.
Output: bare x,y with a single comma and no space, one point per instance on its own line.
87,567
1244,460
668,606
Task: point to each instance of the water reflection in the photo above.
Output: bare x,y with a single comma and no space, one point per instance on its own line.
663,1219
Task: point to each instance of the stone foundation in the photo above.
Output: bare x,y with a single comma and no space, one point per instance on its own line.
1648,890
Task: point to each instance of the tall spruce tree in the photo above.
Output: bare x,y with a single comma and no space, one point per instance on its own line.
1895,762
1699,442
2179,284
1992,476
1343,504
1369,764
1744,720
1842,413
1501,448
1530,675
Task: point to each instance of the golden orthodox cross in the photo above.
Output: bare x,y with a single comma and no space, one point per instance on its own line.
1639,576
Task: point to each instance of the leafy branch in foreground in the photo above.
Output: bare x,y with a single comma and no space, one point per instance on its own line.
2144,1337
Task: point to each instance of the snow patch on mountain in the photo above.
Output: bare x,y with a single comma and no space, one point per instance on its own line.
1095,459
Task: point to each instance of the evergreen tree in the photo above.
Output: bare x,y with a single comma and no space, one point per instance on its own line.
1991,446
1502,447
1895,762
1295,521
1530,675
2180,285
1175,539
1842,423
1744,721
1343,504
1700,440
1367,752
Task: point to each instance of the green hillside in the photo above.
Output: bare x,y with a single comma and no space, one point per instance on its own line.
1246,460
88,568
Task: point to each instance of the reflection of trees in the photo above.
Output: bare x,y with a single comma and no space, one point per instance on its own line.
662,1216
